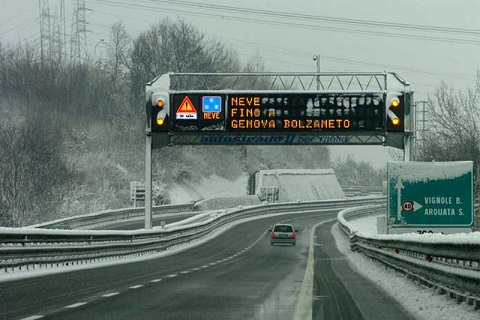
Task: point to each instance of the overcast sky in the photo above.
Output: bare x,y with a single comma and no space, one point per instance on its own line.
422,55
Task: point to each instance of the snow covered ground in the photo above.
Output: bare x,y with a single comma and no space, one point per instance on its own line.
422,302
211,187
365,224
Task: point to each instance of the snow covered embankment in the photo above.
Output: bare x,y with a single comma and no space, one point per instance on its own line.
420,300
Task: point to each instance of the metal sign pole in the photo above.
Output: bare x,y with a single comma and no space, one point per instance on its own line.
148,182
407,153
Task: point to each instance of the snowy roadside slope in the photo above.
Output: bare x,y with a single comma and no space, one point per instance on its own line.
365,224
210,187
420,301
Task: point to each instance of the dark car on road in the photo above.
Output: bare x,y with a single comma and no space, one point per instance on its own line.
283,233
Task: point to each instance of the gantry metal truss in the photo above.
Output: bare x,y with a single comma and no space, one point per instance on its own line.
339,82
285,81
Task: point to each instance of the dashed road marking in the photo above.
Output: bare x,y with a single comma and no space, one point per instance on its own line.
137,286
79,304
76,305
110,294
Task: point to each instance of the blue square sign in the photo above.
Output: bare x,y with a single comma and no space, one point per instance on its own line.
211,104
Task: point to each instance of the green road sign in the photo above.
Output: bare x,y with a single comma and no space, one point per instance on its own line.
430,194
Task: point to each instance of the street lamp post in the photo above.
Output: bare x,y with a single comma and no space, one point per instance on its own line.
317,59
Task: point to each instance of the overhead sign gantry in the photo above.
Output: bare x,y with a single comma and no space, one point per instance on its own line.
277,109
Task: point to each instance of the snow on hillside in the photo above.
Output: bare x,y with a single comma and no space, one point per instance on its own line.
209,187
304,185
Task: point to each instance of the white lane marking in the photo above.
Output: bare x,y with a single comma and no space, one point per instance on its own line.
205,266
110,294
212,263
156,280
137,286
195,269
34,317
185,272
172,276
76,305
304,304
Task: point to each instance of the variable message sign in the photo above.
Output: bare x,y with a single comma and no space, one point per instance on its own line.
430,195
277,112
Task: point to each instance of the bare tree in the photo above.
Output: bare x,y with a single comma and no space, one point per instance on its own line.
31,167
117,49
454,132
176,47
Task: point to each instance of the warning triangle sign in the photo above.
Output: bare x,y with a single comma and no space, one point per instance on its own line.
186,110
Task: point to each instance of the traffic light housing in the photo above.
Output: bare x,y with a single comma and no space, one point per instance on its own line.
159,112
395,113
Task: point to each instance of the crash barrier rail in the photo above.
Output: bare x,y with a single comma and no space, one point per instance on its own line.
451,267
111,216
38,248
362,190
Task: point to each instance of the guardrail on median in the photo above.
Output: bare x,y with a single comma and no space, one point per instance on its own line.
25,248
451,267
110,216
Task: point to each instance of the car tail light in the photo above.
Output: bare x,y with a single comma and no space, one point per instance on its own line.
293,235
273,235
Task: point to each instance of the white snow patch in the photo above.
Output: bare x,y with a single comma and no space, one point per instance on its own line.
438,238
427,171
365,224
211,187
422,302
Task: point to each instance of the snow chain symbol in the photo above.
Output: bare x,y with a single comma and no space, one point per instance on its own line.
407,206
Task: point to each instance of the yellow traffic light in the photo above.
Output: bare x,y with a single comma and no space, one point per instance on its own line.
159,105
395,109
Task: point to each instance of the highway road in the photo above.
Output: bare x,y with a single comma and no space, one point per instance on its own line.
342,293
236,275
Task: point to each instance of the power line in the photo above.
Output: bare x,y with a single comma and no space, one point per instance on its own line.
460,76
296,17
422,71
17,13
303,16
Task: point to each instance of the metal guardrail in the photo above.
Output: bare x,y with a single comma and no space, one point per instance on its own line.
362,190
37,248
110,216
452,268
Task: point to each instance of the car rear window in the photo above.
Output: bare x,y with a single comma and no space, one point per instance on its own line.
283,229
